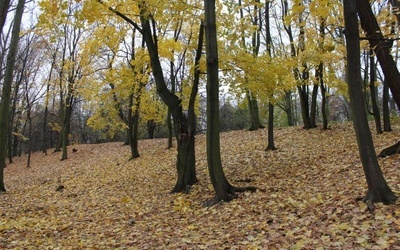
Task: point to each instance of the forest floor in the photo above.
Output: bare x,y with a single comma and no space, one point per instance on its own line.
310,186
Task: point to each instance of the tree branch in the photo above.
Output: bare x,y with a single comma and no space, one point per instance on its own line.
123,16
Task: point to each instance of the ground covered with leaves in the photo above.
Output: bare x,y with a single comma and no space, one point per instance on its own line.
307,199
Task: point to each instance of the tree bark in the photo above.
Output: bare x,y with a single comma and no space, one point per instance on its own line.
378,190
376,41
6,92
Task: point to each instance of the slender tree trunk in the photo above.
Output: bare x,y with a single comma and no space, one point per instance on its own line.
45,136
288,108
374,98
313,111
65,127
135,144
170,130
376,41
385,108
378,190
320,74
271,144
6,92
223,189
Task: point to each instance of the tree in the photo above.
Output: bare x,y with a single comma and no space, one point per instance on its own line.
224,191
378,190
6,93
183,124
271,143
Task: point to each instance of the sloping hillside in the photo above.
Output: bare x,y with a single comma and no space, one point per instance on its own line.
310,185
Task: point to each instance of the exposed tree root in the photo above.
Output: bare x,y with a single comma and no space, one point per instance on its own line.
230,195
391,150
370,199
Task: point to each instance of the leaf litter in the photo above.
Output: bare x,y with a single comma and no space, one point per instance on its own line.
308,199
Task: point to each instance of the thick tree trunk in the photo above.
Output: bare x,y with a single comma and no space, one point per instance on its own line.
6,92
376,41
385,108
378,190
185,161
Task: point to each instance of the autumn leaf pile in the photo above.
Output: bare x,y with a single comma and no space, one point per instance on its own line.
307,198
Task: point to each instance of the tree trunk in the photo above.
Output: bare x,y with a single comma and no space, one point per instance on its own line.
133,123
151,127
170,130
288,108
305,114
223,189
271,144
254,112
6,92
313,111
376,41
374,98
65,127
385,108
185,165
378,190
320,77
